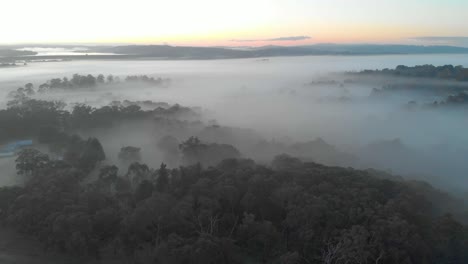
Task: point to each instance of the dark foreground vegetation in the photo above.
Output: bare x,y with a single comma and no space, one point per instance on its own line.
235,212
217,207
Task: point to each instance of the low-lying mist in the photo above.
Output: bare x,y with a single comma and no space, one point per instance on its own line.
265,108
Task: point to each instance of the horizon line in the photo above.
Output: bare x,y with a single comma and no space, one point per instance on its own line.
115,44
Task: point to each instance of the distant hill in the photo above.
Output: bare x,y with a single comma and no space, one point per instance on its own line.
165,51
11,52
273,51
386,49
183,52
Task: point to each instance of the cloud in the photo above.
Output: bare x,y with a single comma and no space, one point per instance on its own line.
295,38
292,38
439,40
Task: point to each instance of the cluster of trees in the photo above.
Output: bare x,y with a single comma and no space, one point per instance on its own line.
195,151
450,72
146,79
246,141
460,99
71,150
146,104
78,81
316,150
234,212
447,94
129,154
25,117
23,92
435,89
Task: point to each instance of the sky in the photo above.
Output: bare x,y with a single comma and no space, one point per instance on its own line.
234,22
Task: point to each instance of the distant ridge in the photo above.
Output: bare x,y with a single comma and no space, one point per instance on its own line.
272,51
188,53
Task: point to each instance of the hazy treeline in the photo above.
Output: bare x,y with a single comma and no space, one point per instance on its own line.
3,64
30,117
78,81
426,94
458,73
13,52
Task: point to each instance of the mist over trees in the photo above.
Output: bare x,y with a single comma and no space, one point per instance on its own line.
448,72
215,193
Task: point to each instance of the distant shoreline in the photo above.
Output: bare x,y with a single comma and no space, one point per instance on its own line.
60,58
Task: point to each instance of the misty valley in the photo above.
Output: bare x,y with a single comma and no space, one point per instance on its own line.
330,159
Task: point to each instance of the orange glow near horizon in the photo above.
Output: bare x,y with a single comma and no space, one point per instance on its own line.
219,22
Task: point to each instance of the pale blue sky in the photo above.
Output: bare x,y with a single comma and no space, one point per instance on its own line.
218,22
